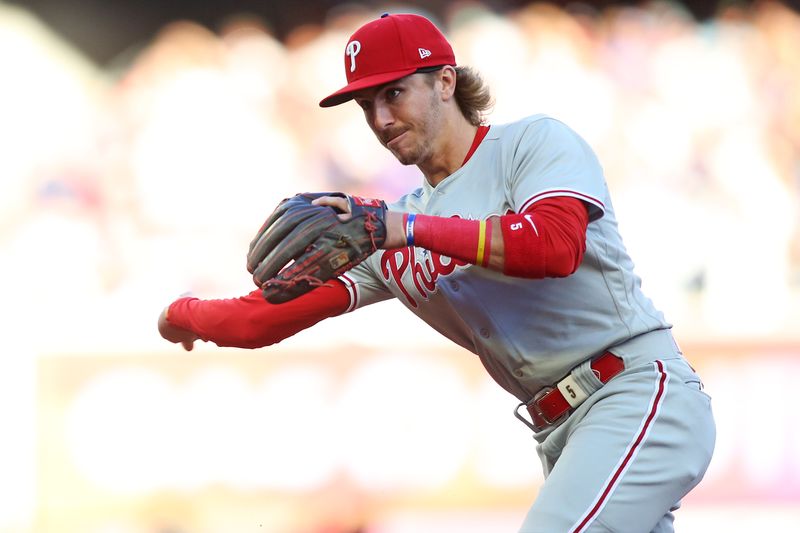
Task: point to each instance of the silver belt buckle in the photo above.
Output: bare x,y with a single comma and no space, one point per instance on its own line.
523,419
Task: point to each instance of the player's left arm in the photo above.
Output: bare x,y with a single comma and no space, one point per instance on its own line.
548,239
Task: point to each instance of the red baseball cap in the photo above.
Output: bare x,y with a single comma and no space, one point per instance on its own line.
388,49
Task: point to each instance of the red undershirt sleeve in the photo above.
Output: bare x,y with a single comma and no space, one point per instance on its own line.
252,322
547,240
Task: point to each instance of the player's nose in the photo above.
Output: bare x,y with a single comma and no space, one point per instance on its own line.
382,117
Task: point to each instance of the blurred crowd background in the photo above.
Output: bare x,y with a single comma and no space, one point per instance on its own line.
128,181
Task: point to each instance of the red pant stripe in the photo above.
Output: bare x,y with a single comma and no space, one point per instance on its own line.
633,449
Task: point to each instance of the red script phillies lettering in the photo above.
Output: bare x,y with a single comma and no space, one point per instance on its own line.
394,264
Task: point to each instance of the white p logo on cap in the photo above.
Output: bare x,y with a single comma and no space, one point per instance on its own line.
352,50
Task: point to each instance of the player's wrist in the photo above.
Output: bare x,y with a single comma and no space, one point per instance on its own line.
395,230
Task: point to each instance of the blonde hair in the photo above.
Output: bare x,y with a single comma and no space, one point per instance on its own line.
472,95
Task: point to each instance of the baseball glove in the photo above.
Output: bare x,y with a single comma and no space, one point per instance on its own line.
301,245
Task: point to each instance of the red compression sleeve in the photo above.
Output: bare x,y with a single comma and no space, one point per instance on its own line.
252,322
547,240
467,240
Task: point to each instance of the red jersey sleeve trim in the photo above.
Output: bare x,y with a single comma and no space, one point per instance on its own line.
352,290
551,193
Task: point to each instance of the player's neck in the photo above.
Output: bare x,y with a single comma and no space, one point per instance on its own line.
450,148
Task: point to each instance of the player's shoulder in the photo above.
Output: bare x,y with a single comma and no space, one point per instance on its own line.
539,123
409,202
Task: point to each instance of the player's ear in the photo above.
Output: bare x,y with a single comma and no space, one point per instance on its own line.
447,78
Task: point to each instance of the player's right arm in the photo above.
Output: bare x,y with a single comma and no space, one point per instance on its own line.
249,321
548,239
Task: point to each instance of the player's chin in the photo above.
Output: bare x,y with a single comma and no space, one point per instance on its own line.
405,161
405,157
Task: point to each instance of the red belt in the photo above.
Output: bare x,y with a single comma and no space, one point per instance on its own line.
552,403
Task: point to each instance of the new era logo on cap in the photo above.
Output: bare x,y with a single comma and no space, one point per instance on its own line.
388,49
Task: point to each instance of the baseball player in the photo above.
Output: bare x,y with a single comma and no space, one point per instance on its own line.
510,248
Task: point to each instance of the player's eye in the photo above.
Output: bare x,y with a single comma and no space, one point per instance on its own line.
392,94
365,105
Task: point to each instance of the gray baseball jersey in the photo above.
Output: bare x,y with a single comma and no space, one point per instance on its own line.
530,333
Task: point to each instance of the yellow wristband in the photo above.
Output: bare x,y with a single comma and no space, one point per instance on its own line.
481,242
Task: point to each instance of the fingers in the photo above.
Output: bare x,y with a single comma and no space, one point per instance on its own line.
164,327
337,202
175,334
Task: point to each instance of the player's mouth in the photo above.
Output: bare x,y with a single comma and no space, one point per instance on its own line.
395,139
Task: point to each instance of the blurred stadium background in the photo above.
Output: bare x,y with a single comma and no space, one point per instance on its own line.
144,142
